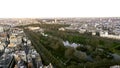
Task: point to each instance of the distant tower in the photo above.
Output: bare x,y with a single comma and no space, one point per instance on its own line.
55,20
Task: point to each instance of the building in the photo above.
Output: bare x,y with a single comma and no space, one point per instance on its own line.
61,29
28,42
11,45
93,33
115,66
6,61
82,30
19,39
1,29
13,39
33,28
105,34
1,47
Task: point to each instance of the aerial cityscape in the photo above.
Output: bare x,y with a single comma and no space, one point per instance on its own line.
90,42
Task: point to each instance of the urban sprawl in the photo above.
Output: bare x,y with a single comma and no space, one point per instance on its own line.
16,50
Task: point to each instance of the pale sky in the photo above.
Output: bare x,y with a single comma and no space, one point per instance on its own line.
59,8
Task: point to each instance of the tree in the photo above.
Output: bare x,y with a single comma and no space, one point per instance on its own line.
69,52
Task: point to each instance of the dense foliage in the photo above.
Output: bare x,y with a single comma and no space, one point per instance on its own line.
52,49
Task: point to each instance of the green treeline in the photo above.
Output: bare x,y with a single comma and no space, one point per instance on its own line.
52,49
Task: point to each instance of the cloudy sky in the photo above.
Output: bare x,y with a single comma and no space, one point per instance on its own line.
59,8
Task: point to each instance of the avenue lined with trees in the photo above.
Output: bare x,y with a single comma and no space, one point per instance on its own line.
52,49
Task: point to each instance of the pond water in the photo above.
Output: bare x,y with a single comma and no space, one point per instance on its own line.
67,43
116,57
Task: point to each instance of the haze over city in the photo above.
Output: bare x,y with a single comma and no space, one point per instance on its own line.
59,8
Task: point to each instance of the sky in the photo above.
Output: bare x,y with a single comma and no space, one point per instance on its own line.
59,8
